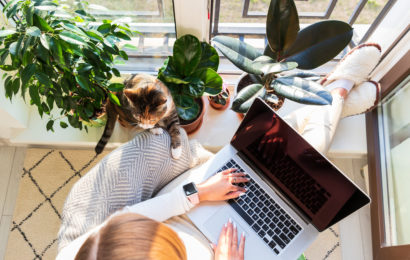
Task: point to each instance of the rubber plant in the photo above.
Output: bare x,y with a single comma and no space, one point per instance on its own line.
191,73
62,58
287,49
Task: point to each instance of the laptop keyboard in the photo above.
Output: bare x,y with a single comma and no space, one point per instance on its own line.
267,218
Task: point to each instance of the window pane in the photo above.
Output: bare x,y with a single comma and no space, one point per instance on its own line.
395,135
154,19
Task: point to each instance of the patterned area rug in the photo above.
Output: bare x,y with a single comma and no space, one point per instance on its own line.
48,176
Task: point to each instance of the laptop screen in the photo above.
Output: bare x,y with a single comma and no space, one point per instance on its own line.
292,165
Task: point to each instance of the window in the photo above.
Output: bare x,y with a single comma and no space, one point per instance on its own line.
394,136
388,148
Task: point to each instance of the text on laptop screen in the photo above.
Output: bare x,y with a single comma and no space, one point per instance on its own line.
292,165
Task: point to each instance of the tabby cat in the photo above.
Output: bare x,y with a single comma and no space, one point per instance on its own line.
147,103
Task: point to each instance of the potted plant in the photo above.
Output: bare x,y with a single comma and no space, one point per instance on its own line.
287,49
191,73
61,59
220,101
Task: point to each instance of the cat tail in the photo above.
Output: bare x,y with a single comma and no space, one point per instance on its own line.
109,127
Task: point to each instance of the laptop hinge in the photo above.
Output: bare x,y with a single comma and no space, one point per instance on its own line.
260,173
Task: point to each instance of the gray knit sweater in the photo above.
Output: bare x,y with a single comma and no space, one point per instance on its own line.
132,173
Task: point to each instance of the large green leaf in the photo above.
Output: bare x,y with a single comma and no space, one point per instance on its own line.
302,91
282,24
4,33
195,87
269,66
209,57
305,74
246,96
41,23
169,75
188,113
319,43
238,46
240,61
27,73
57,50
33,31
72,38
211,79
186,54
183,101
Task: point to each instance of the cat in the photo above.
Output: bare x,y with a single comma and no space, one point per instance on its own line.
147,103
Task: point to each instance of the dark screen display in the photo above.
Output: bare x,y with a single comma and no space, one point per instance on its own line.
292,165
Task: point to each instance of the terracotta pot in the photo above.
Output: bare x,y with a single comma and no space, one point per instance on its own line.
220,106
193,125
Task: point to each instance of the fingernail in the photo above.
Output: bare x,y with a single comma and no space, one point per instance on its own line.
230,220
226,224
243,234
234,225
243,193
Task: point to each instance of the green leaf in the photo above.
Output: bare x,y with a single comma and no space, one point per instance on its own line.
8,84
302,91
49,126
122,35
269,66
188,113
124,55
169,75
7,67
29,15
282,24
33,31
246,96
41,23
96,35
211,79
209,57
240,47
115,87
27,73
4,33
16,85
305,75
130,47
104,28
72,38
116,72
240,61
183,101
50,101
319,43
195,87
43,78
114,98
83,82
186,54
35,97
57,50
45,39
63,124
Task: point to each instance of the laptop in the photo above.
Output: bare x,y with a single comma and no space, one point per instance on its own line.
294,192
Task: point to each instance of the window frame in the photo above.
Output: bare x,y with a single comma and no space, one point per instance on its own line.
389,82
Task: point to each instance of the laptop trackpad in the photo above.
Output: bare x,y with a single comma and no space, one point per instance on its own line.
214,224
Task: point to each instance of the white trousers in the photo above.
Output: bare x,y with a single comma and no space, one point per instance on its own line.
317,124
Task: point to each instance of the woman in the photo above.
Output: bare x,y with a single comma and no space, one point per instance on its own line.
157,229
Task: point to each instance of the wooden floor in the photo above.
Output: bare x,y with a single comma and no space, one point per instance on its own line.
11,166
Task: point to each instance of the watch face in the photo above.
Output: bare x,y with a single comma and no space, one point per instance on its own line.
190,189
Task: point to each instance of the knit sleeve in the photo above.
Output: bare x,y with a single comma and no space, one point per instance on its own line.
162,207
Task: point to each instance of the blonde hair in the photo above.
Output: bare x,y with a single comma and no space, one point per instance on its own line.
131,236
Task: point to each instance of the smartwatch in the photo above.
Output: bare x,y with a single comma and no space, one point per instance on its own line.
191,193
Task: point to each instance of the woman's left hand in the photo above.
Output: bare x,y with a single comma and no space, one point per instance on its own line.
222,186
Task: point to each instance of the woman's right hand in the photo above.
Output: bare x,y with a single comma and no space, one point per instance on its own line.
227,248
222,186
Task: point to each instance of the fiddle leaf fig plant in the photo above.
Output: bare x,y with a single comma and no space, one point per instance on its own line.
287,49
61,60
191,73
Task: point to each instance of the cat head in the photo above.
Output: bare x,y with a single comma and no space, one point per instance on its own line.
148,102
